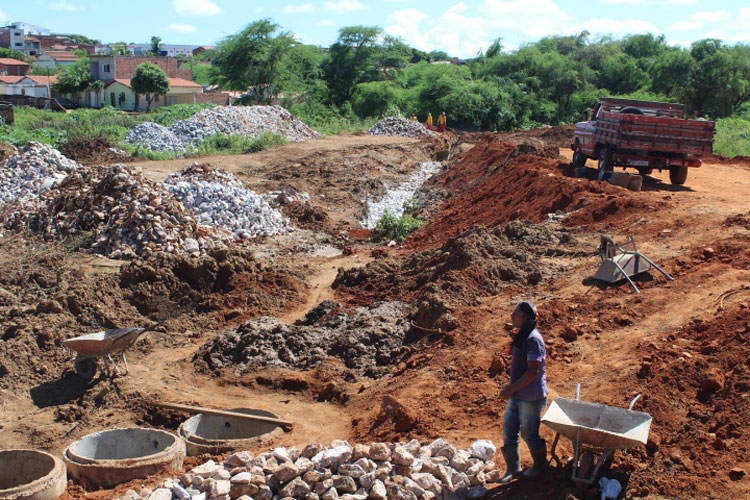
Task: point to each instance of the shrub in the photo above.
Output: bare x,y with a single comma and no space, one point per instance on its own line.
732,137
390,227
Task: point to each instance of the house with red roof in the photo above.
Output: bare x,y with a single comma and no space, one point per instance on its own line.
119,94
13,67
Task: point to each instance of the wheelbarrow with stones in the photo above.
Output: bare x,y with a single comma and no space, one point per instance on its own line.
103,345
596,431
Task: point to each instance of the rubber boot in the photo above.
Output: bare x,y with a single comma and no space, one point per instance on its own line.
512,456
540,463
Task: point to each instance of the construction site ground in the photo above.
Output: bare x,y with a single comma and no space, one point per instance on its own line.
682,344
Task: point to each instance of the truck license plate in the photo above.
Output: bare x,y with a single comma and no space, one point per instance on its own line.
639,163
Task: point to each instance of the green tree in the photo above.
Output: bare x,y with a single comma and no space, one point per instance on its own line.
83,40
155,45
394,54
120,49
351,60
149,79
74,78
42,71
12,54
299,71
252,57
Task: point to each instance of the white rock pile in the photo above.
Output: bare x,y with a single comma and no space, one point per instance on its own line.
396,125
155,137
379,471
395,198
249,121
31,170
220,201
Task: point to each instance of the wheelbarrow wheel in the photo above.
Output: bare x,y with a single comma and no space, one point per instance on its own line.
86,368
584,471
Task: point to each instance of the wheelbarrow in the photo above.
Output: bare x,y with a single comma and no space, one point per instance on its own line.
90,348
623,261
596,430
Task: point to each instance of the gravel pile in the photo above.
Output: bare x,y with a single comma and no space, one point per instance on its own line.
220,201
155,137
395,198
249,121
366,339
395,125
378,471
124,213
33,169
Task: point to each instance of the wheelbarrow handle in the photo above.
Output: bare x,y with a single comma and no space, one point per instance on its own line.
632,403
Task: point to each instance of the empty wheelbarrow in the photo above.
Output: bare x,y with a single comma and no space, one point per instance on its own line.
596,430
89,348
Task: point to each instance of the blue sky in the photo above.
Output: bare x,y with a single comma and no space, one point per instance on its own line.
459,27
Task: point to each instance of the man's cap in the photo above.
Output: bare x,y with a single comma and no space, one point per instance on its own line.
528,308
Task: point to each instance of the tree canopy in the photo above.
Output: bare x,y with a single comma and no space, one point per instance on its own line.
149,79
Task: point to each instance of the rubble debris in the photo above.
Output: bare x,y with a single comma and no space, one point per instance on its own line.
396,125
248,121
395,198
34,168
124,213
221,201
366,339
397,471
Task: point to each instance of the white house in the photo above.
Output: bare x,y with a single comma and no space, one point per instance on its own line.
32,85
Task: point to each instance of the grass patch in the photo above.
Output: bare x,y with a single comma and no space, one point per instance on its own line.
390,227
167,115
732,137
220,144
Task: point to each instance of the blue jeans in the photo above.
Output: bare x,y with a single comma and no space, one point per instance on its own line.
523,416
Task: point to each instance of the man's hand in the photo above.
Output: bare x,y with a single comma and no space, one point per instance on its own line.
506,393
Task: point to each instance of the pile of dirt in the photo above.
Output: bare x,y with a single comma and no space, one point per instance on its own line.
94,151
699,390
231,282
307,216
494,183
479,262
48,296
741,220
367,340
557,137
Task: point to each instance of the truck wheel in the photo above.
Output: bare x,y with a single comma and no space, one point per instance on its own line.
579,159
605,164
644,171
678,175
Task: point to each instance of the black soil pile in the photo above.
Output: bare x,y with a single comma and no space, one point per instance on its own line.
477,263
367,340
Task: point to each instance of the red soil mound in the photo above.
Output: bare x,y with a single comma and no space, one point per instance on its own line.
495,183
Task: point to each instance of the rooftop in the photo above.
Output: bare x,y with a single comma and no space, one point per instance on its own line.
12,62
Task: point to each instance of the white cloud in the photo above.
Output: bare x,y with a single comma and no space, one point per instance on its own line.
625,1
345,5
711,17
679,43
682,2
65,6
196,7
304,8
182,28
686,26
4,18
463,32
325,23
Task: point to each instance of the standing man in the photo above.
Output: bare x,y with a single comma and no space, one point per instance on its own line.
526,395
413,117
429,121
442,121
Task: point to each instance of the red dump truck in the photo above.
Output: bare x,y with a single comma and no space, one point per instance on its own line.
643,135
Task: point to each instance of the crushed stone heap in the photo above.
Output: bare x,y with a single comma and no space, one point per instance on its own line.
125,214
396,125
249,121
155,137
31,170
220,201
367,339
378,471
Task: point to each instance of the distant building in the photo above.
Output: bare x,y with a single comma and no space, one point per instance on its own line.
23,37
32,85
51,59
119,94
108,67
13,67
8,80
203,49
142,49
